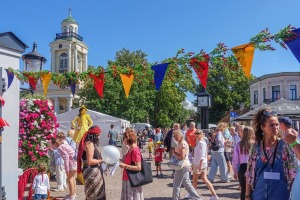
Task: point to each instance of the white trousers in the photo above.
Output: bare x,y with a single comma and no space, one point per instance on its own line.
61,177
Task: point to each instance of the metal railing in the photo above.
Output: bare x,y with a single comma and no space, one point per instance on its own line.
68,35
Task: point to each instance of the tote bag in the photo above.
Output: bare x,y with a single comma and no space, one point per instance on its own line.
175,164
139,178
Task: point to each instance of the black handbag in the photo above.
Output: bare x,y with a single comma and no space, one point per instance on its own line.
139,178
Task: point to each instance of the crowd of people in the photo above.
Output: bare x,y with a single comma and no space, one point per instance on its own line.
263,158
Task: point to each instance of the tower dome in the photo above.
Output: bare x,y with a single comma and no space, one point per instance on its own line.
69,24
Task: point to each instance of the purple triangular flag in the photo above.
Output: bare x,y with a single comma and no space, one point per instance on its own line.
294,44
73,87
159,74
10,77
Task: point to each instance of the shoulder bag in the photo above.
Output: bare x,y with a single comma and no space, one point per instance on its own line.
139,178
175,163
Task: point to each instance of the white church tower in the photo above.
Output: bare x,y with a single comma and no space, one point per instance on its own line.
68,53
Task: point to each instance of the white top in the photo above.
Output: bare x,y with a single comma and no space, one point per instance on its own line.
41,184
200,153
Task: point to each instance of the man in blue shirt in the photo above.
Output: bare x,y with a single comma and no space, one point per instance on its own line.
113,136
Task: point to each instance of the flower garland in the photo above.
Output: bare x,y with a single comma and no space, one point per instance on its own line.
220,56
38,126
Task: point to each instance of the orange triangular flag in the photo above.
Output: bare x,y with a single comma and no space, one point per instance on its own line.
244,54
127,82
46,78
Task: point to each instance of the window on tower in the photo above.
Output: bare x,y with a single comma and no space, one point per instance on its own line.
63,63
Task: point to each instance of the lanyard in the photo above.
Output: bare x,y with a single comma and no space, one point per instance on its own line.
273,154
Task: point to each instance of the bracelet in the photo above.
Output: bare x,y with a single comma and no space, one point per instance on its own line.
294,144
248,196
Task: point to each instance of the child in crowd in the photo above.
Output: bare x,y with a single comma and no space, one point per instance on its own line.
61,177
158,157
41,185
150,148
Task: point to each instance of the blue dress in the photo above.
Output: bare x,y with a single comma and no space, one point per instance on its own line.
269,189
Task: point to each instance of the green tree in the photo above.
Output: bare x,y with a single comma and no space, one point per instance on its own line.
144,103
228,87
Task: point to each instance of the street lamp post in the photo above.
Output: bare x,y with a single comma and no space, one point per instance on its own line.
33,62
204,102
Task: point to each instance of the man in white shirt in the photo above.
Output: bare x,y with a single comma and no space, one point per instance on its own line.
235,136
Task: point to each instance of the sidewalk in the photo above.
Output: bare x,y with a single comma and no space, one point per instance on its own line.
160,189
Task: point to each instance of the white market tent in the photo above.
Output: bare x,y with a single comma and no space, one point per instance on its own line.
102,120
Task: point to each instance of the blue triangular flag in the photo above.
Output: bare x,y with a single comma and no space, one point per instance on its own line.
73,87
10,77
294,45
159,74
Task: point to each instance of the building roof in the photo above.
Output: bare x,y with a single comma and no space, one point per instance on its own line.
70,19
10,40
274,75
239,112
282,107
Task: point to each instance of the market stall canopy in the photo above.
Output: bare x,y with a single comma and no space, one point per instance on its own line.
102,120
282,107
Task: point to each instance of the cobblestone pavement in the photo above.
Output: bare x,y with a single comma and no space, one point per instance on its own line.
160,189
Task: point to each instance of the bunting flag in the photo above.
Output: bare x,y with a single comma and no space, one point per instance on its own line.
3,123
73,87
244,54
2,101
32,82
98,83
127,82
201,69
159,74
10,77
46,78
294,45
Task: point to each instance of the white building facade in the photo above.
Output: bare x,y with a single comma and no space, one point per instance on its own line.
271,87
11,49
68,53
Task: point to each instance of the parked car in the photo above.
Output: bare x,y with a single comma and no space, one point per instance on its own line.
140,126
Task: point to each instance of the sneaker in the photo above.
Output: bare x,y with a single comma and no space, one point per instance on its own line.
188,196
214,197
229,176
161,175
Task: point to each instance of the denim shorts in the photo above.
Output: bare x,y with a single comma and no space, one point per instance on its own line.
40,196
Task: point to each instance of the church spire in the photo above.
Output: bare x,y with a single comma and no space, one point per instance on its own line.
70,12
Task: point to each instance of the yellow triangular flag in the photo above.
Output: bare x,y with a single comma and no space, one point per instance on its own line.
127,82
244,54
46,78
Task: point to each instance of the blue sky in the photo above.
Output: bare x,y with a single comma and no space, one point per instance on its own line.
157,27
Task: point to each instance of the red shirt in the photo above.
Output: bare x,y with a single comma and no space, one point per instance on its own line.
158,154
191,137
136,157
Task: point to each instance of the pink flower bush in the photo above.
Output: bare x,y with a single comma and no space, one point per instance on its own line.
38,126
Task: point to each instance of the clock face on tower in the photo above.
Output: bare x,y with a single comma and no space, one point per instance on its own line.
203,101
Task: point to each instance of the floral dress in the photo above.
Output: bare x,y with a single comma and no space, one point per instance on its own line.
289,162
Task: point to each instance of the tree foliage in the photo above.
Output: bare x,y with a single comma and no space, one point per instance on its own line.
228,88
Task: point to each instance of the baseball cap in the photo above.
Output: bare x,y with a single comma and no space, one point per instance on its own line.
285,120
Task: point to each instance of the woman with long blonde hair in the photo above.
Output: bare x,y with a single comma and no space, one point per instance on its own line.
217,155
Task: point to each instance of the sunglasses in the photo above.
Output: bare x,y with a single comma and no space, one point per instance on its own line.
268,114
